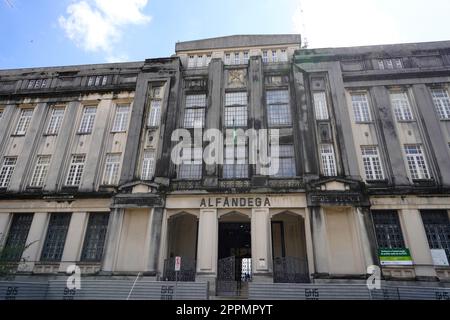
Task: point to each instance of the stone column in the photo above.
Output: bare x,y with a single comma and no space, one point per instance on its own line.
261,245
4,223
155,221
367,236
35,241
207,242
320,240
416,240
113,239
74,241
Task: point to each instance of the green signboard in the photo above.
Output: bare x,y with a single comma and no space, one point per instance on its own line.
395,257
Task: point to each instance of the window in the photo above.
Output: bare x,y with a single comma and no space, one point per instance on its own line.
154,117
389,64
227,58
328,160
361,108
17,237
437,228
112,169
381,64
37,84
416,162
265,57
274,56
372,163
235,165
75,170
97,81
208,59
283,57
387,229
199,61
194,115
236,109
246,57
56,237
278,108
7,170
24,121
94,240
40,171
402,109
121,119
55,121
148,165
442,103
320,105
237,59
191,169
191,62
87,120
286,161
398,63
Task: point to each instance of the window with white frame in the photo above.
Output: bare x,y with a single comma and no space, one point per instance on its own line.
191,169
121,118
194,114
372,164
320,105
237,59
390,64
154,117
274,56
402,108
191,61
55,122
283,56
200,61
361,109
265,57
328,160
112,169
37,84
87,120
227,58
75,170
236,109
97,81
148,165
278,108
40,171
8,165
235,163
24,121
246,57
441,101
417,163
286,161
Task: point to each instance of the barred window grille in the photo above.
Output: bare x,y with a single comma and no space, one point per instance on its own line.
56,118
112,169
286,161
97,81
56,237
24,121
417,164
388,229
361,109
278,108
87,120
17,237
121,118
328,160
372,164
75,170
441,101
6,171
40,171
236,162
194,116
402,108
191,169
321,106
94,241
148,165
437,228
236,109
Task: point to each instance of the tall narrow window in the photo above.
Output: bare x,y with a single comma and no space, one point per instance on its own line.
200,61
112,170
191,169
283,56
389,64
437,228
274,56
381,65
246,58
94,240
17,237
361,108
6,171
154,116
24,121
148,165
388,229
235,163
286,161
278,108
442,103
227,58
56,237
320,105
40,171
87,120
194,114
56,118
75,170
191,61
372,163
236,109
328,160
237,59
402,109
265,57
417,164
121,118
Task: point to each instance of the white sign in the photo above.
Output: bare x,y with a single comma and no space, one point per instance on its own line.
177,263
439,257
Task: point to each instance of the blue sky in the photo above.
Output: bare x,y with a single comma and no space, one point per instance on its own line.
65,32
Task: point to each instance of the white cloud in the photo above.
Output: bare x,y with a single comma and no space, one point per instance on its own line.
96,25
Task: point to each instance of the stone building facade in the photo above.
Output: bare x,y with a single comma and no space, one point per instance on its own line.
87,176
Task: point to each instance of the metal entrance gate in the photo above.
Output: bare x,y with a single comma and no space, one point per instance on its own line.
186,273
290,270
233,276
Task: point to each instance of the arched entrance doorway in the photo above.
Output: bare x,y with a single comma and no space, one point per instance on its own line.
290,263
